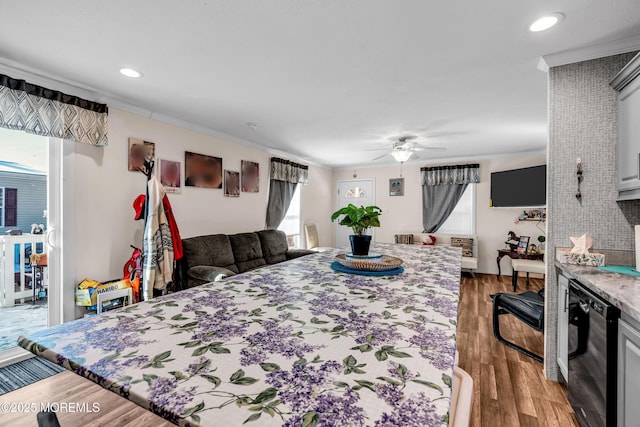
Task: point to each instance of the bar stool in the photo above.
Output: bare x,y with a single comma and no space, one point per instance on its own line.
525,265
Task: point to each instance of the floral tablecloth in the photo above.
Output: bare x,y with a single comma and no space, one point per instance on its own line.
294,344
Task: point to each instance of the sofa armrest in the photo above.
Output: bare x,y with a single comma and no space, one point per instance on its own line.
207,273
297,253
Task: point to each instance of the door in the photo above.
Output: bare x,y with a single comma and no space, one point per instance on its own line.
53,239
30,181
358,192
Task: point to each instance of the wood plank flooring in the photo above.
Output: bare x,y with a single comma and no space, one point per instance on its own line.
68,387
509,388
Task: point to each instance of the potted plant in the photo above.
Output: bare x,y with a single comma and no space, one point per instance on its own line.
359,219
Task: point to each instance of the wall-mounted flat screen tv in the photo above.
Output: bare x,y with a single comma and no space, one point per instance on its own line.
526,187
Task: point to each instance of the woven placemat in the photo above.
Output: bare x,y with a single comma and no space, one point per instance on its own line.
336,266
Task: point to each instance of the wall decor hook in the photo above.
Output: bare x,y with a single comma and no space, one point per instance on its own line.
580,178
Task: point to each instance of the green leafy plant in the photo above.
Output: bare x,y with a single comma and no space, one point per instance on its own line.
359,219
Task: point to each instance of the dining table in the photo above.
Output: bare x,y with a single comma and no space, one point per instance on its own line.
292,344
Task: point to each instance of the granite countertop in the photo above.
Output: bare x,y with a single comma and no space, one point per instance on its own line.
621,290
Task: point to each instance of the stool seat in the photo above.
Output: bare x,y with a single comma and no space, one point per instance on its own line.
526,266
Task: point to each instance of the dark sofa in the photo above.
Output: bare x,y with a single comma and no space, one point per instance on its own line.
209,258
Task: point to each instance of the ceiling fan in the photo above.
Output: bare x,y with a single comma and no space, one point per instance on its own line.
405,149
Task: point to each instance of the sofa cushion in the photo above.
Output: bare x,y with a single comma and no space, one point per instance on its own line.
247,251
214,250
274,245
208,273
297,253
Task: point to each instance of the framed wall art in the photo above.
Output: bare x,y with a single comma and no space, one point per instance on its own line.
250,176
170,175
231,183
139,151
396,187
202,171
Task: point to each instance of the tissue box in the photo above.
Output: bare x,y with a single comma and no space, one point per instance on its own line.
590,260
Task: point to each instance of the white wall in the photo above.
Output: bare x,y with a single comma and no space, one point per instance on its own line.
104,191
403,214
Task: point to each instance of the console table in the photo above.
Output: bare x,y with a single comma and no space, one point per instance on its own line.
515,255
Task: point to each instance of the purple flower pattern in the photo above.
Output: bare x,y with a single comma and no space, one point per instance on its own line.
290,344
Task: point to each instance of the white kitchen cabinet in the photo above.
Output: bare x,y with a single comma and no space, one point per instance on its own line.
628,373
563,326
627,84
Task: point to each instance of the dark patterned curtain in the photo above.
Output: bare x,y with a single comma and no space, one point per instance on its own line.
285,177
41,111
442,188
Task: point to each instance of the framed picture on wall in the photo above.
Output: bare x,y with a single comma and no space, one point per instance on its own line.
523,245
202,171
170,175
231,183
396,187
250,176
139,151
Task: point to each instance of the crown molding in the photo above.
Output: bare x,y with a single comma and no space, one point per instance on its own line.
49,81
589,52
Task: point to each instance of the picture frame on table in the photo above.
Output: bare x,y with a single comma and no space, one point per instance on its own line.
396,187
523,245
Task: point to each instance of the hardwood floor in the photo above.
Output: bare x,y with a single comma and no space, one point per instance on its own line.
67,387
509,388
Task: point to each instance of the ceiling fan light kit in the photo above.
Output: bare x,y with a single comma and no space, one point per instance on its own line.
401,155
404,149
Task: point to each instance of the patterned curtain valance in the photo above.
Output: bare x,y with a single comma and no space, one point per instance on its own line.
46,112
285,170
445,175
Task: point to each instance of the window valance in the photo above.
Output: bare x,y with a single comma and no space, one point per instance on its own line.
446,175
288,171
41,111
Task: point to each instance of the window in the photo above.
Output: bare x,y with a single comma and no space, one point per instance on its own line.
355,193
463,218
8,207
291,222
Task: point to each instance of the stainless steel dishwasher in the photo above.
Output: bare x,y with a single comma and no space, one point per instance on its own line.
592,368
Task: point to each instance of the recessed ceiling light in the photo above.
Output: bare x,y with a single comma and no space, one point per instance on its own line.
130,72
545,22
252,126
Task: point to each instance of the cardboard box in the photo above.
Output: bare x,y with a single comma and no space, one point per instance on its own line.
88,290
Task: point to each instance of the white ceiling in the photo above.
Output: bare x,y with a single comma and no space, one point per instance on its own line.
323,79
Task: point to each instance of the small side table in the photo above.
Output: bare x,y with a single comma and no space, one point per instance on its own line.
515,255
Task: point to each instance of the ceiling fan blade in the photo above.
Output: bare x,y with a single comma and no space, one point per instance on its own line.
423,147
379,157
415,157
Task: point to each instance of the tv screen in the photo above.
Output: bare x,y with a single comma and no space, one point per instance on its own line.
519,187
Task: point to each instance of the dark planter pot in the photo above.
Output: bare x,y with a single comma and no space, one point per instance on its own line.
360,244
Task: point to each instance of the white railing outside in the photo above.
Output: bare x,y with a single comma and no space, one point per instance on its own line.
8,292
